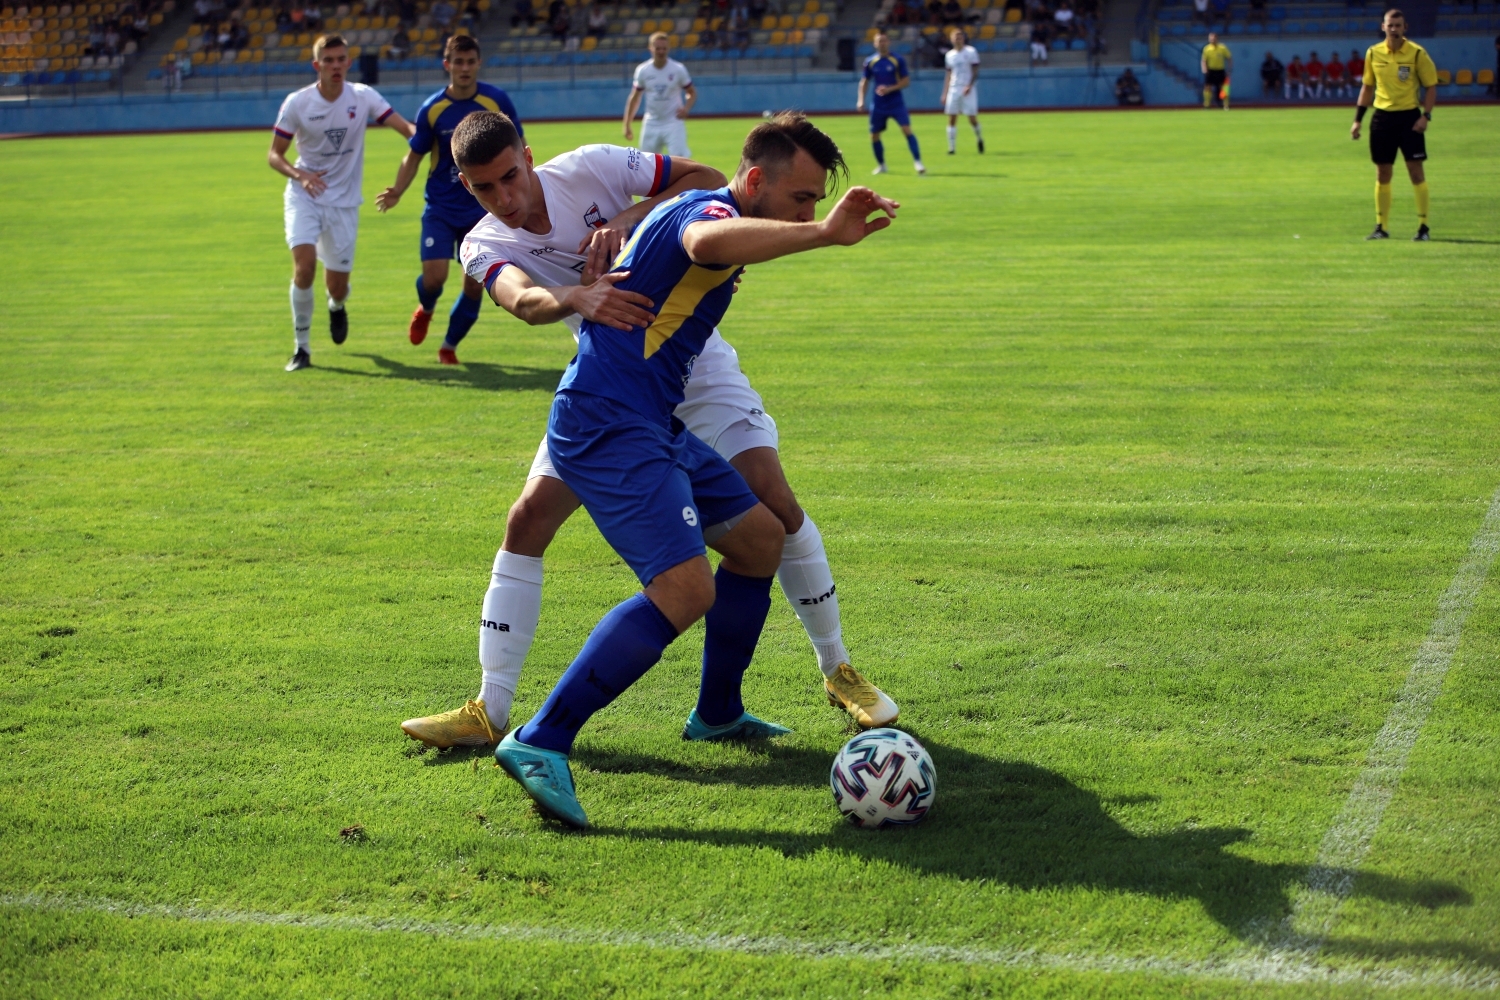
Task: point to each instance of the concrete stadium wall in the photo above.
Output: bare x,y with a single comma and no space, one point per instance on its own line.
541,101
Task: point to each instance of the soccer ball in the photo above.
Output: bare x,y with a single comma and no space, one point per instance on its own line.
883,778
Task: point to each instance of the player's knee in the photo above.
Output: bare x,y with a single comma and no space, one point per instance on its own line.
753,547
530,525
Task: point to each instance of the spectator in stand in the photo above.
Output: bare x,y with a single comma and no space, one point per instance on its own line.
1258,12
400,44
739,27
900,13
1039,42
1272,73
442,14
1333,77
312,17
111,40
1128,90
1312,75
598,20
96,39
471,17
283,20
523,13
1200,12
935,13
758,10
1222,12
1062,21
561,23
1355,67
203,11
1296,79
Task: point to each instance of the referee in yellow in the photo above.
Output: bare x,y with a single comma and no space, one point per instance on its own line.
1394,69
1216,63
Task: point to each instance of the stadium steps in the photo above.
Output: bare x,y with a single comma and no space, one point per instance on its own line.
853,19
160,43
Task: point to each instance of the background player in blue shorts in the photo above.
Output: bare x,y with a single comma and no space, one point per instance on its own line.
891,77
657,493
451,211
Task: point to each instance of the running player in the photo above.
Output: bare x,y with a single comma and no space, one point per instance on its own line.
451,211
670,96
552,230
657,492
891,77
1216,64
321,204
1394,70
959,93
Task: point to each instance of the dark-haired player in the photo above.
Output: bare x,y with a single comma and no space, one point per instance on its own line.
321,205
891,77
552,231
451,211
657,493
1395,69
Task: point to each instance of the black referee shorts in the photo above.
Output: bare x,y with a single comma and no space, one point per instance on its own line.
1214,78
1392,130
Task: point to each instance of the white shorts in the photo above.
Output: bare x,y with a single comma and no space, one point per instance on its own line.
960,104
727,418
331,229
668,137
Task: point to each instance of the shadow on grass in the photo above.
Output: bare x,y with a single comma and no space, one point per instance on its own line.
470,374
1024,826
1492,243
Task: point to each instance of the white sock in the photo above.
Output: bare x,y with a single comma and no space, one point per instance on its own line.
302,307
952,137
336,305
512,608
808,584
977,134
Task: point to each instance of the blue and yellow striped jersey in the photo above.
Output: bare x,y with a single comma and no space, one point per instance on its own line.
438,117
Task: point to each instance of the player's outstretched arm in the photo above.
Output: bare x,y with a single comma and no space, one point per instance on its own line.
405,174
600,302
754,241
395,121
603,244
311,180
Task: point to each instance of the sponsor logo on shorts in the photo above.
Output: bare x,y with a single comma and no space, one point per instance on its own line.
690,516
497,626
429,241
819,599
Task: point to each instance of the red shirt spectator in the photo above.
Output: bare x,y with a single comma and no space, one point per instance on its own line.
1334,71
1355,67
1313,68
1294,70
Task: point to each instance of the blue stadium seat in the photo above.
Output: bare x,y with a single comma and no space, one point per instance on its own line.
1292,28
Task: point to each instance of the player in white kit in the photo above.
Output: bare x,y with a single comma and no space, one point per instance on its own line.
961,88
321,204
543,253
670,97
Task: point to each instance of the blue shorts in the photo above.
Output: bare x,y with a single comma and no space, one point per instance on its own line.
898,113
652,490
442,232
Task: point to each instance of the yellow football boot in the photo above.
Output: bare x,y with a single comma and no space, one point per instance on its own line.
463,727
866,702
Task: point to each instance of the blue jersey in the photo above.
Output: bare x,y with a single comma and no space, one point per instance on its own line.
646,368
436,120
886,71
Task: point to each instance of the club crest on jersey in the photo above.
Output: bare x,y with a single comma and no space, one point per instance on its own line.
1403,73
336,136
351,109
594,218
718,210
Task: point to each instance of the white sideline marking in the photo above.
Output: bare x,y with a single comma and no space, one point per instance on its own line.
1246,966
1331,878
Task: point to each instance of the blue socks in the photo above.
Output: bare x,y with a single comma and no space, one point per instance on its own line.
911,144
465,312
625,644
879,151
428,299
733,628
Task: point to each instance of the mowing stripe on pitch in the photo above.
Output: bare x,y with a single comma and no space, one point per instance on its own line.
1331,877
1244,966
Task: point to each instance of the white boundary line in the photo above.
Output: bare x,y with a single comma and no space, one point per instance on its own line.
1343,850
1244,967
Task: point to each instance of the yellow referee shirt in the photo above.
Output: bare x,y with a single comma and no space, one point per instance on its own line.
1214,56
1395,75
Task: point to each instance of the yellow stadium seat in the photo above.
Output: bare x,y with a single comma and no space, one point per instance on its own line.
589,43
785,22
648,25
813,6
305,39
1444,78
180,45
778,37
430,35
795,36
72,50
987,32
768,22
674,40
51,12
690,39
870,34
259,55
700,24
54,52
195,30
1463,78
804,21
1012,16
354,51
1485,76
484,6
361,23
820,20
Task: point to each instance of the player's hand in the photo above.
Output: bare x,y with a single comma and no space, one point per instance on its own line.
312,182
859,105
628,134
601,248
967,89
737,279
387,199
881,90
846,225
603,303
1420,125
682,113
1354,131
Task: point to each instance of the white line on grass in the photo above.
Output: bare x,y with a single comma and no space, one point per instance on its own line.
1332,876
1244,967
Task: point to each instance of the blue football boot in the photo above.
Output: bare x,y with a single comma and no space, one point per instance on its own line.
545,776
746,727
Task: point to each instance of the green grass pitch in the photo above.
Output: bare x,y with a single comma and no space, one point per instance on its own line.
1141,474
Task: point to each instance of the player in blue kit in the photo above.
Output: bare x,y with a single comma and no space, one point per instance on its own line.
658,494
451,210
891,77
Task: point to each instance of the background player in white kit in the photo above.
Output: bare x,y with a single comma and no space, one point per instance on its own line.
670,97
543,253
321,204
961,88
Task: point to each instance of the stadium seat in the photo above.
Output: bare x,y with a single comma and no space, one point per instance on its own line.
1463,78
1444,77
1485,77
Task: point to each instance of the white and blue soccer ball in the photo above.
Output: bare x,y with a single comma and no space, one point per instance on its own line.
882,778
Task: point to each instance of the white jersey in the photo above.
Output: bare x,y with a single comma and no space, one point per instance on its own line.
330,137
584,189
961,65
663,88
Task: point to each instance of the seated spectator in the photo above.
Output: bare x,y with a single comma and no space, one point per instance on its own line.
1355,66
1222,11
561,23
1333,76
1271,74
899,13
400,43
1128,90
758,9
935,13
1312,76
283,21
953,14
1062,20
523,13
298,17
471,17
312,18
442,14
739,27
1258,12
111,40
1039,40
598,21
1294,78
1200,12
